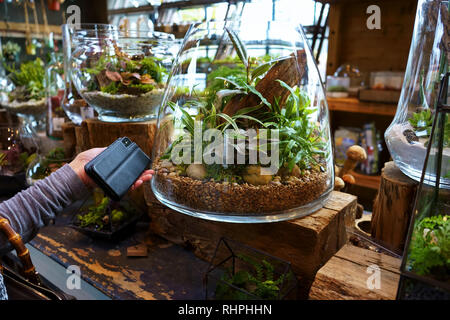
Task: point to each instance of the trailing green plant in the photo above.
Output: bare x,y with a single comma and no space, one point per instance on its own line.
29,80
259,281
429,252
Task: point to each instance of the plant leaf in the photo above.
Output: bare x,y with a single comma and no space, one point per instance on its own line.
253,90
238,46
263,68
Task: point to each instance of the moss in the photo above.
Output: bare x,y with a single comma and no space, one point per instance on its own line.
151,67
142,87
111,88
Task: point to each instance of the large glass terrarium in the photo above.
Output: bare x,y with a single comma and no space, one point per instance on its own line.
248,141
426,263
409,134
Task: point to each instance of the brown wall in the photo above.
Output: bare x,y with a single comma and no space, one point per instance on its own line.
350,40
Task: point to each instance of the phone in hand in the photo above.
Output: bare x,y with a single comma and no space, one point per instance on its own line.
117,168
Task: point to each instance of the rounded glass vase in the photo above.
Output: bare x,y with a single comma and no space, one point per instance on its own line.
75,107
408,135
248,141
122,74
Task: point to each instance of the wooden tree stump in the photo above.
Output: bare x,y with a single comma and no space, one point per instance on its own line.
393,207
346,275
69,138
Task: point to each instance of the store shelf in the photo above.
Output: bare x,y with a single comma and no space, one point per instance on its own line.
366,181
353,105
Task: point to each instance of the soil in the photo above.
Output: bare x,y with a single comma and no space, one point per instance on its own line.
125,104
207,195
31,107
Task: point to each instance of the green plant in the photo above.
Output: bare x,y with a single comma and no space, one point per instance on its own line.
300,143
300,140
97,215
259,281
422,120
429,252
30,76
120,73
10,49
52,161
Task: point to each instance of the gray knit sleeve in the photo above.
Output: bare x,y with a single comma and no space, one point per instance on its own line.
36,206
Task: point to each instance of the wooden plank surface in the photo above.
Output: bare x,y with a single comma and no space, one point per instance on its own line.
345,276
306,242
168,272
353,105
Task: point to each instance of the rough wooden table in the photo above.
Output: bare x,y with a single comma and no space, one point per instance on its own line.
351,275
169,271
307,243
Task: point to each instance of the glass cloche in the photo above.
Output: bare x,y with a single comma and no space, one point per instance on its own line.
122,74
248,141
408,135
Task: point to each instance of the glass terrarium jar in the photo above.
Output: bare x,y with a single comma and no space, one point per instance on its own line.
17,151
408,135
240,272
54,93
45,164
75,107
122,74
249,142
27,98
426,262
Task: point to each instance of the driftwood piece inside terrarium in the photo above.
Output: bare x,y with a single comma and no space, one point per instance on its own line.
393,207
290,71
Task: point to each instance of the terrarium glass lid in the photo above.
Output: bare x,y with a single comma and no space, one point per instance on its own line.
246,137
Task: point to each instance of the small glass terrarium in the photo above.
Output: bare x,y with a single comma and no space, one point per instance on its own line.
17,151
122,74
239,272
248,141
45,164
101,217
27,99
426,262
409,134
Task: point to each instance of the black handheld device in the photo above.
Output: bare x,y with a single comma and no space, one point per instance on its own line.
117,167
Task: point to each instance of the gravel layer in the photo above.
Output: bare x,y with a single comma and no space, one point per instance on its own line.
239,198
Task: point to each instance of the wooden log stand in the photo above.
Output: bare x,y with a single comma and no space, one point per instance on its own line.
93,133
393,207
307,242
351,275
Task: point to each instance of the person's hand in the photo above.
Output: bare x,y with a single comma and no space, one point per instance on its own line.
84,157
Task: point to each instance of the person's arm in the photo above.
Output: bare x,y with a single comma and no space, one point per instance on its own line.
34,207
